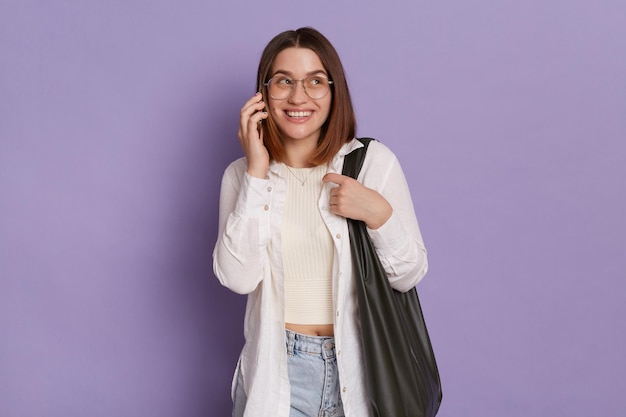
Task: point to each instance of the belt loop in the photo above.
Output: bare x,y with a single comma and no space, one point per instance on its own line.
328,349
290,342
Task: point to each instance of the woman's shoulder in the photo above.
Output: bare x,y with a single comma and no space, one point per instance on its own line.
380,153
238,165
236,169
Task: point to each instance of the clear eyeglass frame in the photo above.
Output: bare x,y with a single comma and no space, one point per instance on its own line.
280,87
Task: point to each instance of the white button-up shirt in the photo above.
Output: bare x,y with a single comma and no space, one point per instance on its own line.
248,260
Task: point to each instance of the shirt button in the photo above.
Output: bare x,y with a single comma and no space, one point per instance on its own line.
337,313
338,353
266,208
269,189
344,389
338,235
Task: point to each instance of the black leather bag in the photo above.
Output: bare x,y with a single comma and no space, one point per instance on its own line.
401,372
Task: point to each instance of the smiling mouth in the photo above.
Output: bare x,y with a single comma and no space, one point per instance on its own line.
298,114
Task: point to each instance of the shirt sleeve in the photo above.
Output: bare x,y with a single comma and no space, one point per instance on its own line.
398,242
244,229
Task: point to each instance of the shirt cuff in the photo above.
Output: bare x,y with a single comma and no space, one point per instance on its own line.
255,197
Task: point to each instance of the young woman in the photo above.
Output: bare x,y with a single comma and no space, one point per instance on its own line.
283,237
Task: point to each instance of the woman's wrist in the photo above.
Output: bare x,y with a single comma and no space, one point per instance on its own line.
258,171
379,218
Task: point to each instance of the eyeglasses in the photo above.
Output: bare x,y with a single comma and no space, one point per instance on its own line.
315,86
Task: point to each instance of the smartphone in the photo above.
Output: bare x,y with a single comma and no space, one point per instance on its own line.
261,123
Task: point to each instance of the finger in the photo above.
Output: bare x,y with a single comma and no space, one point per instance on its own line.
249,111
255,119
253,100
253,105
335,178
250,123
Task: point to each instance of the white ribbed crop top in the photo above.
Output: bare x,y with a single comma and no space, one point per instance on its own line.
307,248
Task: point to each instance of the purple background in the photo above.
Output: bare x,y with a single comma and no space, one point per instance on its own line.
117,119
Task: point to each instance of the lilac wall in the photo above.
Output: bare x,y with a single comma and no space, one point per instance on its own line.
117,119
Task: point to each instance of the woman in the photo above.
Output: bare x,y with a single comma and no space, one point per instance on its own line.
283,237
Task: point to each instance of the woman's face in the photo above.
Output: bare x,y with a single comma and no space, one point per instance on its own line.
299,117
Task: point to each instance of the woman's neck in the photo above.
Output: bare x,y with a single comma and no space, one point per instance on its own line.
299,153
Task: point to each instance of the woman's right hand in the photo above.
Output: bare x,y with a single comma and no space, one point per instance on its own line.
251,136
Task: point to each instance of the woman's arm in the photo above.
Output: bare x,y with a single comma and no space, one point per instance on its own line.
245,202
398,242
382,200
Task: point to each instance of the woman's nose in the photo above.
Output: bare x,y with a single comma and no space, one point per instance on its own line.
298,94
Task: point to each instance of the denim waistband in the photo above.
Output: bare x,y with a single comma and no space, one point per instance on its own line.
324,346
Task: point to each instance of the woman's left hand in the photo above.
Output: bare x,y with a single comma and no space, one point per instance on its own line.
353,200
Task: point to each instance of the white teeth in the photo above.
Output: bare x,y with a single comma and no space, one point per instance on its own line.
299,113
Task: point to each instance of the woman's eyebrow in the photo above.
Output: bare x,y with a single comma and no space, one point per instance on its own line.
289,73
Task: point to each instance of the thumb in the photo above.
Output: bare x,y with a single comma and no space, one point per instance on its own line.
334,177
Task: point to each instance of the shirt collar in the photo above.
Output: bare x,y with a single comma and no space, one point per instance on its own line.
345,149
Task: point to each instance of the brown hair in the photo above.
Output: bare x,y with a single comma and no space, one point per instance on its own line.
340,126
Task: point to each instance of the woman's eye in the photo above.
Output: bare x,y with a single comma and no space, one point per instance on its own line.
284,81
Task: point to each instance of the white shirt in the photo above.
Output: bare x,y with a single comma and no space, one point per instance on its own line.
250,216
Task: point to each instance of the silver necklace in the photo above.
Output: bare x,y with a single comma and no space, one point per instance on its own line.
300,180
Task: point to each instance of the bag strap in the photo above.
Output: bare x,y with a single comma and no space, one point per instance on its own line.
353,162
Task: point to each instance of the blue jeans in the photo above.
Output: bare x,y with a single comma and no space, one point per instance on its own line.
313,376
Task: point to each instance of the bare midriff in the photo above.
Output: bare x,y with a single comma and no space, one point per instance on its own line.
312,329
